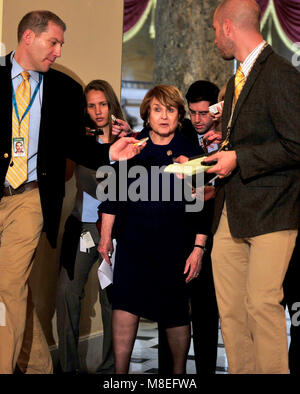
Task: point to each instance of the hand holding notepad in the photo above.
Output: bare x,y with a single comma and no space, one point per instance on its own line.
191,167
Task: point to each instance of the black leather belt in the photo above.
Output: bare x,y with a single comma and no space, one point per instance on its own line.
10,191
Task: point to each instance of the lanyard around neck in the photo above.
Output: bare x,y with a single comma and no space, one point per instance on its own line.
31,101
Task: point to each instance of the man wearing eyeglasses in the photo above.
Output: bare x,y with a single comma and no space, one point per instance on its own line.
200,95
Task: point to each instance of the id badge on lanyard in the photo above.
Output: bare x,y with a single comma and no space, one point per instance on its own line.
19,147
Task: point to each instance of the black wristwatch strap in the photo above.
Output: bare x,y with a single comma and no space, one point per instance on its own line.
201,247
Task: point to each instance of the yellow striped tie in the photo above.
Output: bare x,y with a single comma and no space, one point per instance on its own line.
239,83
17,171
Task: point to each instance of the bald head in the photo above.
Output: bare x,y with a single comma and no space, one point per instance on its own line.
236,25
244,14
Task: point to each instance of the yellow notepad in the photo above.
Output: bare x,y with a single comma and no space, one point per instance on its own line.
190,167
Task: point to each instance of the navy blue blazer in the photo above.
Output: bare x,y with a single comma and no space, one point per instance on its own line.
61,136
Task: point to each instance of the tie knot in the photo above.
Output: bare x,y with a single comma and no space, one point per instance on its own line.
25,75
239,74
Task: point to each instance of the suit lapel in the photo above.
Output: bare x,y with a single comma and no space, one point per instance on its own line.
42,147
256,69
6,85
47,101
45,95
227,106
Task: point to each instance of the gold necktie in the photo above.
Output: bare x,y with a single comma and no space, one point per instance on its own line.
17,170
239,83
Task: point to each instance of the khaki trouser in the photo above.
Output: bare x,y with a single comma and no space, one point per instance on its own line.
248,275
22,341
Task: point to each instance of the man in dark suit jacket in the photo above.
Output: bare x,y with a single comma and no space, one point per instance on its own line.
55,132
199,96
257,205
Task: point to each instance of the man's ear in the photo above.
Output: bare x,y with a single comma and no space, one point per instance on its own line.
227,27
28,36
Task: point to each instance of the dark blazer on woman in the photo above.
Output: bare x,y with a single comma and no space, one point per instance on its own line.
262,194
61,135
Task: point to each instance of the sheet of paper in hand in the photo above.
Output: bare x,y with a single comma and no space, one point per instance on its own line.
191,167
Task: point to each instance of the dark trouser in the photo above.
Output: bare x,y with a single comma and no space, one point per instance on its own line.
205,318
291,288
69,296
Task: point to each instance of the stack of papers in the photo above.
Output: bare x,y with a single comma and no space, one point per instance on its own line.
106,271
189,168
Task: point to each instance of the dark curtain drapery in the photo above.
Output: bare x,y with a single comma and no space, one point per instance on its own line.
263,5
133,10
288,14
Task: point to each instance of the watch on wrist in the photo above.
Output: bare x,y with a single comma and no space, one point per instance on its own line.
201,247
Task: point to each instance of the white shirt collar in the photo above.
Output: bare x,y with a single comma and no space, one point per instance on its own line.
16,69
251,58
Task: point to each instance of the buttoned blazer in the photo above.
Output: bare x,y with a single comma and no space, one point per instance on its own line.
262,194
61,135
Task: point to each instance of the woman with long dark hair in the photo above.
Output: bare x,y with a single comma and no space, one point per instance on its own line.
77,260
